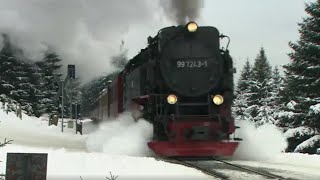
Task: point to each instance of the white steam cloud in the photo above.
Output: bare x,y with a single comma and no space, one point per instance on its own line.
260,143
181,11
122,136
84,32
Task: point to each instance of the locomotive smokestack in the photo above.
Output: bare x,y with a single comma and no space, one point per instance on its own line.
182,11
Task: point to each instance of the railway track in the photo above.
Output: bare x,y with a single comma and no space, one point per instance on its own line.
211,172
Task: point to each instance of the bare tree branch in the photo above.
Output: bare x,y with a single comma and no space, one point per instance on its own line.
112,177
6,142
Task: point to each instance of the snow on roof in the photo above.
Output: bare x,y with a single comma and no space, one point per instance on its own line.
307,143
299,131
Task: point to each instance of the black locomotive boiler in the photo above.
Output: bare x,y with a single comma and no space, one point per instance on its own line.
182,82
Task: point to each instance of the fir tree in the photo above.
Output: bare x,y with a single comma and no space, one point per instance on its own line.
16,81
245,77
23,87
260,90
243,93
48,69
7,63
302,84
261,74
276,85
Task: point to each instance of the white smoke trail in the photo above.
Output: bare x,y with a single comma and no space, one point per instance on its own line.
84,32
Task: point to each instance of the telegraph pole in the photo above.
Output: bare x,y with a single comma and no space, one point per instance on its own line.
63,91
72,76
62,105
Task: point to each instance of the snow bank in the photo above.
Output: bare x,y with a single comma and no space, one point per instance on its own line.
260,143
122,136
35,131
298,159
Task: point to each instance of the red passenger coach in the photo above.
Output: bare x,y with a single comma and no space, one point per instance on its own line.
116,96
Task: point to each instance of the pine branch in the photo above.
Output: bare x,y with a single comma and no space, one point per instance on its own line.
6,142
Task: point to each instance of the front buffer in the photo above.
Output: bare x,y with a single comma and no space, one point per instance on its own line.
193,149
194,139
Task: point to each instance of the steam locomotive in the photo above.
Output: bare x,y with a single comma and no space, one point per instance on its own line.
182,82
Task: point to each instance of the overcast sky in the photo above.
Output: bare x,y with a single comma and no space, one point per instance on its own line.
252,24
88,32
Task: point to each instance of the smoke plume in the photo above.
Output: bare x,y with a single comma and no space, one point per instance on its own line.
260,144
181,11
122,136
86,33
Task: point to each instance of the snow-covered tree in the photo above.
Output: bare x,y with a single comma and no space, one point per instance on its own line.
274,100
261,75
244,79
260,88
7,64
15,76
32,85
276,85
302,74
241,103
48,69
23,87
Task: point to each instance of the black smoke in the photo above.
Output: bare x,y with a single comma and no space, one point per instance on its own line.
182,11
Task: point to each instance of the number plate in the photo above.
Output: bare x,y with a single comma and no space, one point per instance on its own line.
192,64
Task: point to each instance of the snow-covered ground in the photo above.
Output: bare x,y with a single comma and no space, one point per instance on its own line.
94,154
119,147
36,132
289,165
63,164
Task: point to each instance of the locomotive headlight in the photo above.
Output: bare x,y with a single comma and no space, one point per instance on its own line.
172,99
217,99
192,27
